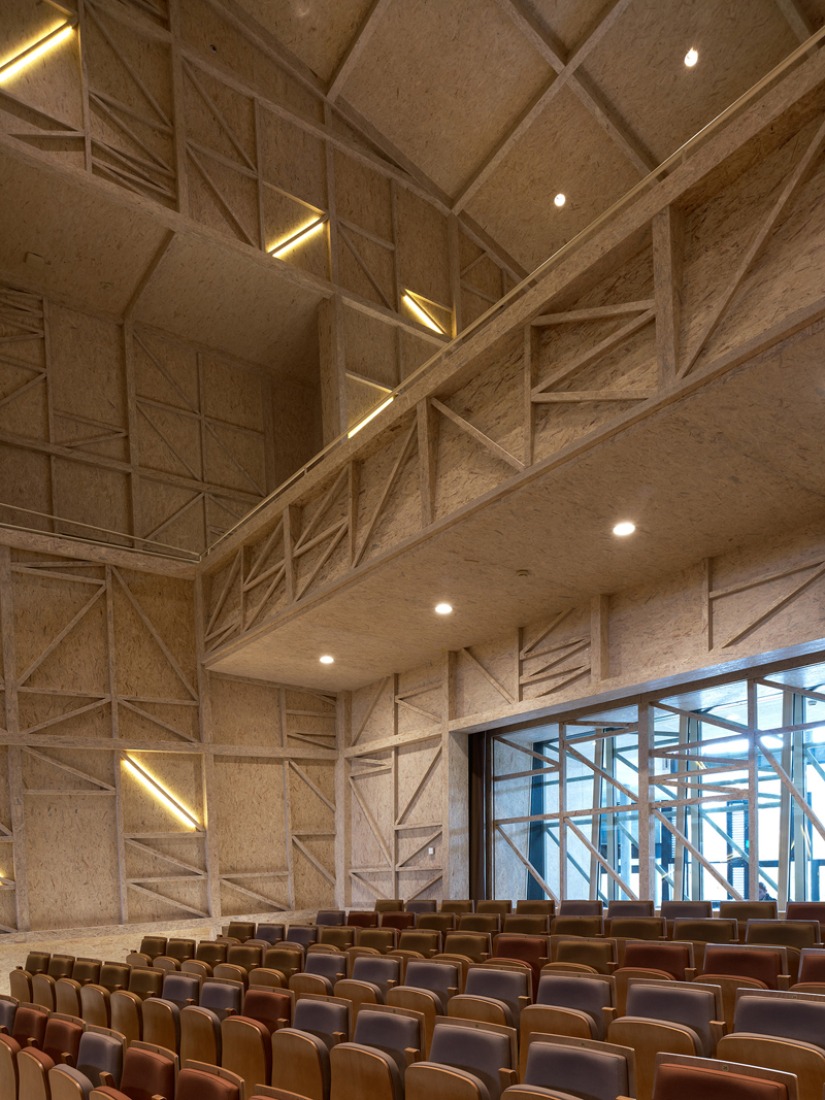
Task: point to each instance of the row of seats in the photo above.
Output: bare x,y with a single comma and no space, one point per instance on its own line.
572,1038
576,907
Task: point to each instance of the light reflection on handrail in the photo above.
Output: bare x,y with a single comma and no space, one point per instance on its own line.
517,291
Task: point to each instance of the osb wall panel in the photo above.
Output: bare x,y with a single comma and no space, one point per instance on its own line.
395,805
215,40
179,467
251,818
423,250
245,713
71,859
312,831
372,712
371,857
486,673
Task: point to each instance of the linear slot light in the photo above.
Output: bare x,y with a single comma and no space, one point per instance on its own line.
300,237
370,416
421,314
21,60
159,792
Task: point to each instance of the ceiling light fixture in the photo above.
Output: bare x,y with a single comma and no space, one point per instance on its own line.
160,793
327,659
300,237
443,609
691,57
560,199
370,416
14,65
623,529
415,307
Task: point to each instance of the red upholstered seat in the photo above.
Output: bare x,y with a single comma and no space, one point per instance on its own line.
674,1082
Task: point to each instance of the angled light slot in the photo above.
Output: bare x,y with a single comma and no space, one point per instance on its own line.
300,237
370,416
14,65
160,793
424,311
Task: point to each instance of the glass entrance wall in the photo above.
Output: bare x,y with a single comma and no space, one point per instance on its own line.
708,793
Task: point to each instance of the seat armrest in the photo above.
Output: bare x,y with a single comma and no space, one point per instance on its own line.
507,1077
524,1001
338,1037
783,981
411,1054
717,1030
107,1079
608,1014
690,973
66,1058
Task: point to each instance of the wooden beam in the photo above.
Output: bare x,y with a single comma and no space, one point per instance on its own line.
356,48
566,74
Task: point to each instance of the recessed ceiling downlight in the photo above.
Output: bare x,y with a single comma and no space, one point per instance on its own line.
623,529
691,57
327,660
443,609
560,200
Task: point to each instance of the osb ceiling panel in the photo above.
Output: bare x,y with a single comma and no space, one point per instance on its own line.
316,31
564,151
640,68
442,79
220,298
75,240
571,22
710,473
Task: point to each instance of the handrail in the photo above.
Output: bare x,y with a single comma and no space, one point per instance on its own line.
530,280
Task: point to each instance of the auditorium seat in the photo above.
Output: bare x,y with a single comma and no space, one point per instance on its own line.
180,949
422,905
286,958
476,946
148,1071
544,906
577,924
246,1049
221,996
589,994
440,922
100,1059
743,911
125,1014
457,905
578,1067
381,939
211,952
303,934
389,905
631,907
529,924
648,1038
146,982
483,1051
241,930
271,933
20,984
181,989
596,952
479,922
397,920
426,941
300,1063
580,907
114,975
341,936
362,918
636,928
200,1035
494,905
736,966
161,1023
264,977
152,946
684,1078
198,1081
385,1041
330,917
509,986
94,1005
